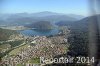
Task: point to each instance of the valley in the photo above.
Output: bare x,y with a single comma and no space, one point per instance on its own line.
24,48
23,42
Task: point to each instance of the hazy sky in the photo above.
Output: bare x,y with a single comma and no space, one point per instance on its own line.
60,6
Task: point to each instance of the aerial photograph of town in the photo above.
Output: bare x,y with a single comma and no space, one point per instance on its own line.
49,33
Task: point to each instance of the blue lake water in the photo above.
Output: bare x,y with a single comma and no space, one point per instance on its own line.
32,32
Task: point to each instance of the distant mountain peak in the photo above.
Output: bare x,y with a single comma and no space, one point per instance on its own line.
45,13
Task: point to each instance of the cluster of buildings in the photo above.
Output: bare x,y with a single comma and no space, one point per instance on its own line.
38,46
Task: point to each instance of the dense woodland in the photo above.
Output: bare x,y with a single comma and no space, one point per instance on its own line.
78,43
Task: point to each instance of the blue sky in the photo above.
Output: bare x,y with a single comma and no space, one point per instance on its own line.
31,6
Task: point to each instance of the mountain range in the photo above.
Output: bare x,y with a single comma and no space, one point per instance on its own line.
28,18
82,24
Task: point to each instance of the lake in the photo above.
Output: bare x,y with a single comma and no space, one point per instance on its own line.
32,32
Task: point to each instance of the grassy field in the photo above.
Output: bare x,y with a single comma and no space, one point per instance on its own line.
19,65
31,61
34,60
15,51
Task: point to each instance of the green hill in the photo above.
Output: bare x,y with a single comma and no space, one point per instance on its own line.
5,34
41,25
